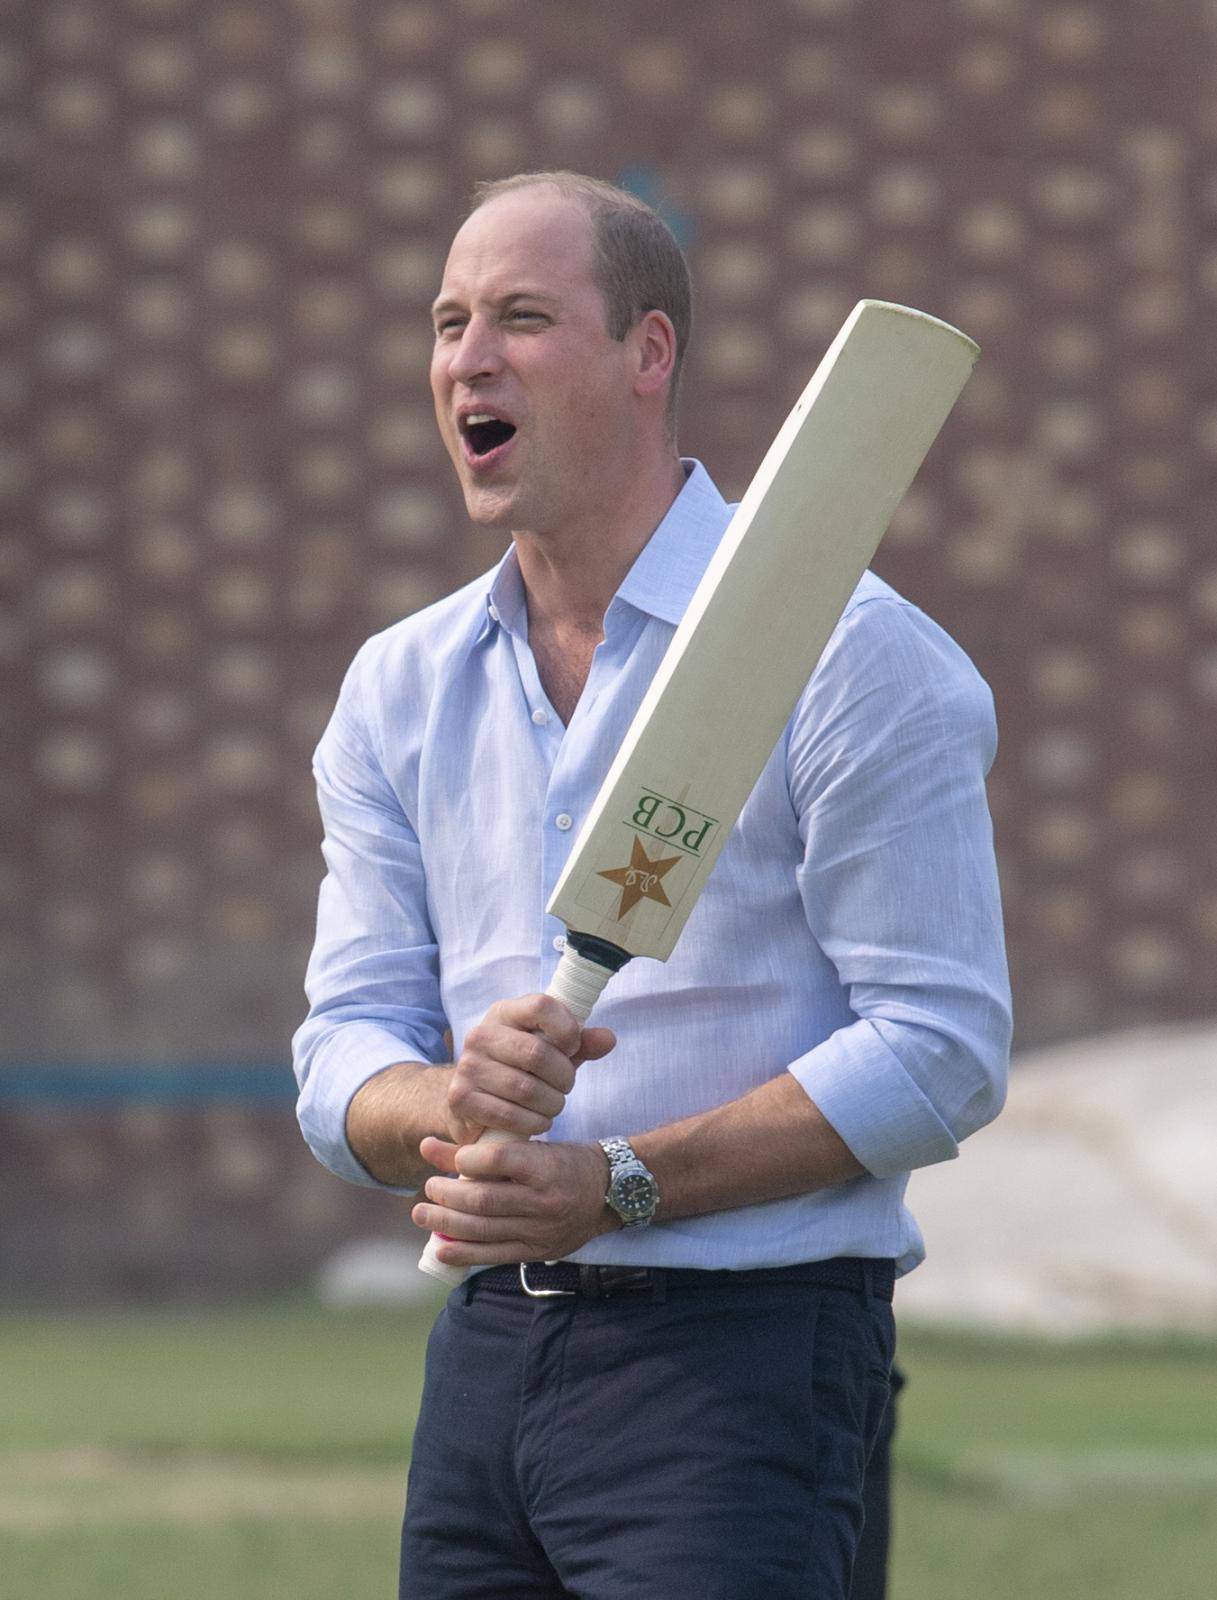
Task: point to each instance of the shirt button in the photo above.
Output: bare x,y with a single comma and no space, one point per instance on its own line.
563,821
494,613
560,942
540,717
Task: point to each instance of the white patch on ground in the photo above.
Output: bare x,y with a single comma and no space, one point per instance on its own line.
381,1272
1051,1476
84,1486
1090,1204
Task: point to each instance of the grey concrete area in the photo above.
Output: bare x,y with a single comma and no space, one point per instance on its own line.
1091,1203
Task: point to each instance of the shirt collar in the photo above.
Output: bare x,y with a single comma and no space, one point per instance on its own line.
505,603
669,566
665,573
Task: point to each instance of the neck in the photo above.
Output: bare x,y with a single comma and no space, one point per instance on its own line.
571,576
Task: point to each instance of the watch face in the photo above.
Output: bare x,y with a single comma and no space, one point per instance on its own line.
633,1194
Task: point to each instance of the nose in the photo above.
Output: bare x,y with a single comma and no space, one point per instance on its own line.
476,354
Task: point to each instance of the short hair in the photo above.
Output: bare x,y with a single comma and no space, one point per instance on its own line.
637,264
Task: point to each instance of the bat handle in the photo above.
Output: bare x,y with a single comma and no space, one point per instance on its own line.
577,982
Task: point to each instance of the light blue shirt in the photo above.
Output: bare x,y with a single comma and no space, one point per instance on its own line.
850,933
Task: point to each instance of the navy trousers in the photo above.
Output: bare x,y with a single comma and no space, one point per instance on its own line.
703,1440
871,1561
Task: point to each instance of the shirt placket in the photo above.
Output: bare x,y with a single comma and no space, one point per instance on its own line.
571,759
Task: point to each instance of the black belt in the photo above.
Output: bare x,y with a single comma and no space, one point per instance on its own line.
545,1279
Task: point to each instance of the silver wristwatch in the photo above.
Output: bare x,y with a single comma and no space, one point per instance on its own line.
632,1191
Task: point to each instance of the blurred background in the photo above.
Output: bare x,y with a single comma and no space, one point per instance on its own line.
221,226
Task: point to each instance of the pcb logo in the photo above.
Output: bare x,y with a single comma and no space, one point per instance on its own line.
679,827
673,821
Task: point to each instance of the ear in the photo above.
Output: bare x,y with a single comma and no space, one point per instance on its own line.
654,340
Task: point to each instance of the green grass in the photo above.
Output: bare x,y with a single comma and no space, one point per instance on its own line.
1053,1471
280,1381
261,1451
286,1559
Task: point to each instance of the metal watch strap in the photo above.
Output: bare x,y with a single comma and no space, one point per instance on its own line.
622,1158
617,1150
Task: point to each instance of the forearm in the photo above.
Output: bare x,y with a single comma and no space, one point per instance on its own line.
768,1144
392,1113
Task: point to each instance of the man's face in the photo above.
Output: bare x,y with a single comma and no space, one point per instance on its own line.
531,394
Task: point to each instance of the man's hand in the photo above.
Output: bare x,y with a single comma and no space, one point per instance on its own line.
518,1202
515,1071
517,1067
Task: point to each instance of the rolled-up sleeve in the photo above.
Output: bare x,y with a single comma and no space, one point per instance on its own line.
887,761
373,978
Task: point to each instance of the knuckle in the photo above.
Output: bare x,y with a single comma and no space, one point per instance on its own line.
494,1157
524,1091
549,1104
535,1055
507,1115
460,1091
526,1011
457,1098
512,1159
560,1025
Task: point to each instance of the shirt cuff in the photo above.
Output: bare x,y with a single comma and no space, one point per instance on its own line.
867,1096
343,1063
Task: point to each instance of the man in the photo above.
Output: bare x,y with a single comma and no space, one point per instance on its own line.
681,1407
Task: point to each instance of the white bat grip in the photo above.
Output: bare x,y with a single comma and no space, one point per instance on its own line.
577,983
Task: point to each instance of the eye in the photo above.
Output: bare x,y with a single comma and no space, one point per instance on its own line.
448,325
525,316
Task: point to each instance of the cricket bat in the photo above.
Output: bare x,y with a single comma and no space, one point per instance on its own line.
755,628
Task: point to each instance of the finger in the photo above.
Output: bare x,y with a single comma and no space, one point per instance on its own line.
531,1053
438,1153
482,1199
504,1116
528,1080
496,1161
454,1224
541,1013
596,1042
461,1253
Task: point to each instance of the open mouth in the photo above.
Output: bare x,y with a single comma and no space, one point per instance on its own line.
484,433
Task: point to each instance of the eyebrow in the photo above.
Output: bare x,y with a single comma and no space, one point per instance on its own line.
449,304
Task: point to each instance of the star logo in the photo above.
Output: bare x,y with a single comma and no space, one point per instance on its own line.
640,880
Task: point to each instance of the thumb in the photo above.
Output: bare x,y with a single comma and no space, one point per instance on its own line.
594,1043
439,1153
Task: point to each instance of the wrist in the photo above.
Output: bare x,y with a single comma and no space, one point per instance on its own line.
606,1219
389,1114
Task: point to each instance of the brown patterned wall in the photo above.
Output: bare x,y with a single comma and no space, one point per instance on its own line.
219,472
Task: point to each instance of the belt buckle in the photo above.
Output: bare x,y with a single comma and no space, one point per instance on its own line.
541,1294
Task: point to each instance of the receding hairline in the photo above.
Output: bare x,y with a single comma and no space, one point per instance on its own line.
589,194
571,202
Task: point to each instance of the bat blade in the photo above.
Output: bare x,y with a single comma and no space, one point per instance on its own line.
757,624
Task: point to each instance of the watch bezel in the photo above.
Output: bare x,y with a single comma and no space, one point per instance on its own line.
633,1192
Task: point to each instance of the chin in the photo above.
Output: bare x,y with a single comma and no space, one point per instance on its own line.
490,508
